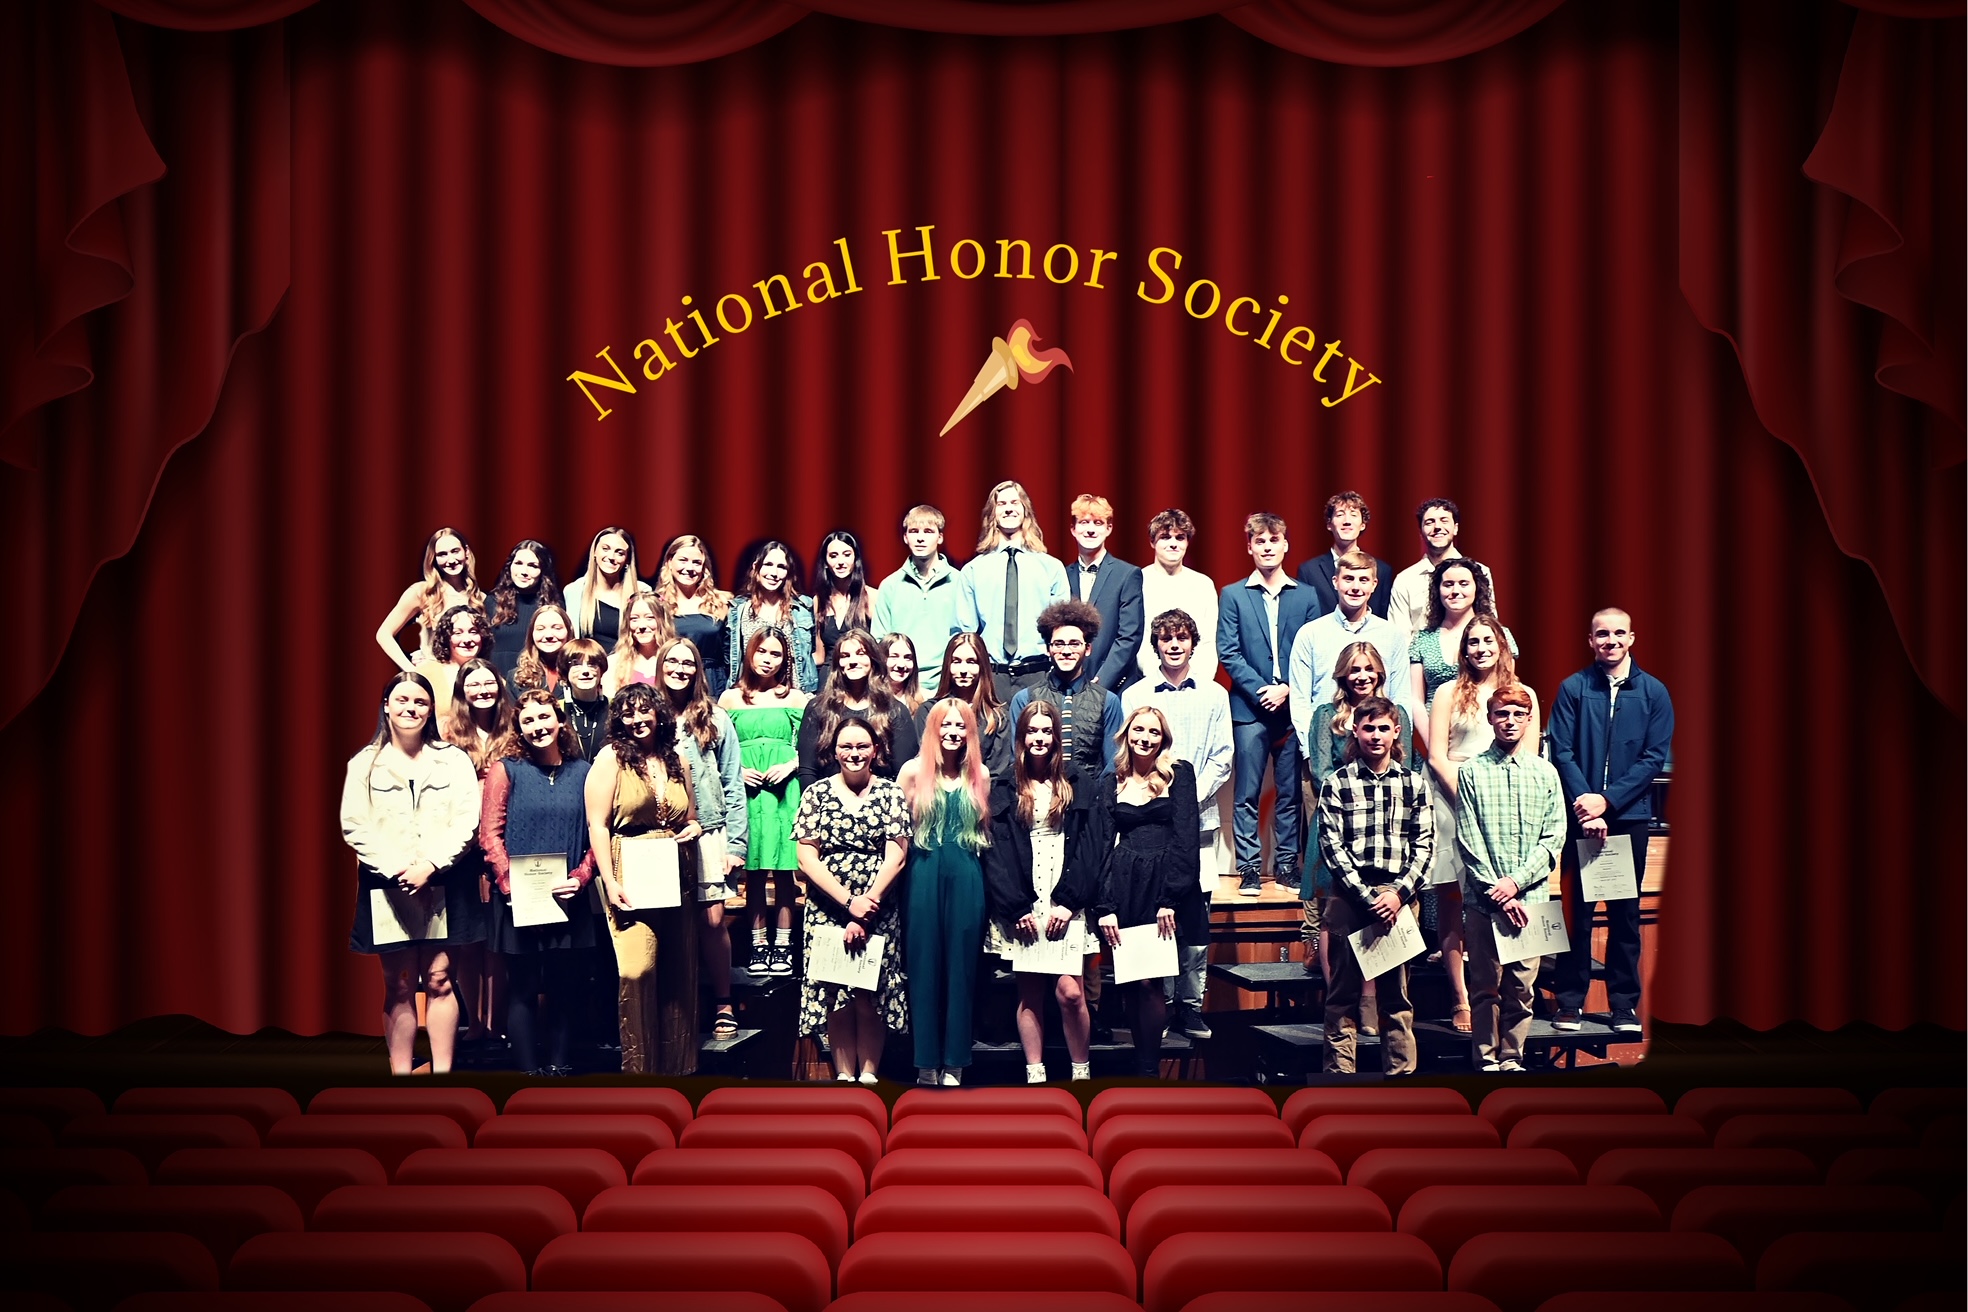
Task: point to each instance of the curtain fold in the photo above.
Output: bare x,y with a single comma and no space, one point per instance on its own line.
641,33
1391,34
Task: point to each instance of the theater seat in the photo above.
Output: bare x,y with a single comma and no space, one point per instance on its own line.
93,1272
781,1266
1914,1106
1012,1101
1176,1100
987,1131
802,1209
1503,1108
1001,1260
1519,1270
1754,1216
306,1175
629,1137
153,1138
19,1131
850,1134
219,1216
1251,1168
286,1300
1732,1301
595,1300
470,1108
1584,1138
1346,1300
1872,1272
1121,1134
1935,1178
388,1137
35,1173
981,1166
1713,1106
800,1100
1667,1174
526,1216
577,1174
1820,1138
1174,1209
448,1271
1396,1173
1057,1208
968,1300
1307,1105
826,1168
1186,1266
1345,1137
261,1107
666,1105
54,1107
1446,1216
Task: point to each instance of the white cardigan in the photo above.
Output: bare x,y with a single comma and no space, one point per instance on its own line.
392,823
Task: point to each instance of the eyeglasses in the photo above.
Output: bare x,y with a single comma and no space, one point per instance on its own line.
1067,644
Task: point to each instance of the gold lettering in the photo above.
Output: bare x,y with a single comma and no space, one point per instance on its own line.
655,354
1230,315
1072,271
956,259
1093,274
619,383
1004,258
772,310
1319,369
826,279
1189,298
744,304
1161,276
1352,372
1303,337
1265,341
896,254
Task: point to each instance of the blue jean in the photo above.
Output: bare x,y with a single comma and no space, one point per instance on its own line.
1258,743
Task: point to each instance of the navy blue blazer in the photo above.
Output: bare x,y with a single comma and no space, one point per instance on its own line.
1117,596
1612,747
1317,574
1243,643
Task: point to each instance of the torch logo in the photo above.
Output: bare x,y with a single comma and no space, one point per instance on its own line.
1013,360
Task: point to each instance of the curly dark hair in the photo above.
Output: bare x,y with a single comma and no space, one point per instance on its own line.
1079,615
631,755
440,637
1485,603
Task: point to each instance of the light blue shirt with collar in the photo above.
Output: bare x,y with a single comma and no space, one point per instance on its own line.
1041,581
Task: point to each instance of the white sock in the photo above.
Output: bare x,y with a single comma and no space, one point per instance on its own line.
1035,1072
758,936
782,938
1082,1070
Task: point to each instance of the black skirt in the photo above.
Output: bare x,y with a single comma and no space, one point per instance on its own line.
582,929
465,916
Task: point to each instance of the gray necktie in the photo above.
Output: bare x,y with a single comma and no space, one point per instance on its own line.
1011,605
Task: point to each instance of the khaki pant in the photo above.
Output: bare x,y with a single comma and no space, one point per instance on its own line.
1499,994
1397,1044
658,997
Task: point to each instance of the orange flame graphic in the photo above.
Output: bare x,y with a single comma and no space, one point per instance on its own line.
1013,359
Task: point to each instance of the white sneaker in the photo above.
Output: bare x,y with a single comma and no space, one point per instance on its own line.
952,1079
846,1075
869,1077
928,1075
1035,1072
1489,1068
1511,1067
1082,1070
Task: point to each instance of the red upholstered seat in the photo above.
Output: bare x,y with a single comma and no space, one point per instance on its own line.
945,1259
1396,1173
801,1209
1713,1106
1121,1134
601,1300
470,1108
781,1266
1252,1168
970,1300
1519,1270
153,1138
1584,1138
18,1130
1732,1301
1667,1174
1933,1176
801,1100
55,1107
629,1137
1344,1300
1055,1207
1177,1100
851,1134
827,1168
577,1174
1345,1137
666,1105
1174,1209
987,1130
448,1271
219,1216
1914,1106
1820,1138
306,1175
1754,1216
390,1138
1503,1108
260,1106
1307,1105
981,1166
526,1216
1014,1101
1203,1262
98,1270
1446,1216
35,1173
285,1300
1872,1272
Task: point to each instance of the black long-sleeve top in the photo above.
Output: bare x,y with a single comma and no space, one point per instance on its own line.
1141,874
1008,888
816,762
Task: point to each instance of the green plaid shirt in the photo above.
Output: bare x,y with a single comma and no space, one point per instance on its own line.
1510,823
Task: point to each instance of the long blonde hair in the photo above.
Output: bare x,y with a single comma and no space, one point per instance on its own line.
715,604
622,659
1343,696
926,795
591,581
432,606
987,536
1163,774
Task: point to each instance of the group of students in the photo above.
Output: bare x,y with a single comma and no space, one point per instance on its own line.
1053,773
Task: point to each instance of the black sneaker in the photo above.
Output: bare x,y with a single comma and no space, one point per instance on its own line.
1190,1021
1625,1021
1565,1019
1250,884
779,960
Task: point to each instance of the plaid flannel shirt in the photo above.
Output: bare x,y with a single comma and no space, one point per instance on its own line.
1376,831
1510,824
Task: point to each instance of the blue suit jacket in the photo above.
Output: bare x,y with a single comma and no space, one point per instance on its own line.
1243,644
1317,574
1117,596
1614,748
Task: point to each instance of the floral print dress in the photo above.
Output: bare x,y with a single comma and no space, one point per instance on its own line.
852,837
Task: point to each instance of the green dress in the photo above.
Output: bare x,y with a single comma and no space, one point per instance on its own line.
769,736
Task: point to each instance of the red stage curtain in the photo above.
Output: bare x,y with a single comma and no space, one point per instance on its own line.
1388,35
473,218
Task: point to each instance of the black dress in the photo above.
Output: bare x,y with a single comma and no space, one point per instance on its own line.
509,638
1158,859
710,637
830,632
816,763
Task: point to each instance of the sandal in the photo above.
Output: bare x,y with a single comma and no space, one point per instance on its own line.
1459,1020
724,1025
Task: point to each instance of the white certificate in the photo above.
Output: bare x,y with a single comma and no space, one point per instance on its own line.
1063,956
1606,869
396,917
1381,948
710,856
1544,936
829,962
1143,954
534,878
650,874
